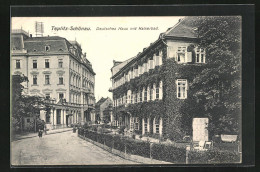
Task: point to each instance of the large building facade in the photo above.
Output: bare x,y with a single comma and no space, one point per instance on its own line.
58,70
148,89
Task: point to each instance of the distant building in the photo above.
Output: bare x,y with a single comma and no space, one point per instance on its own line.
58,70
149,88
102,109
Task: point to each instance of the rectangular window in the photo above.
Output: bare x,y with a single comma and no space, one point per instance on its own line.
157,125
47,79
34,64
200,55
157,53
140,96
151,93
47,96
47,117
28,120
157,92
34,79
47,63
136,123
60,63
60,80
18,65
181,54
182,88
145,94
145,125
135,97
61,95
58,116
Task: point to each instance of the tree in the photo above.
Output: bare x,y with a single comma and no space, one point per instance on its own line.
217,89
24,105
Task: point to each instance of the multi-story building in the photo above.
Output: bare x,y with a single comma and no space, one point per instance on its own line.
100,107
58,70
148,89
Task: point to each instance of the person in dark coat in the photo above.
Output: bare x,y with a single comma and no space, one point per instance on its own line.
40,133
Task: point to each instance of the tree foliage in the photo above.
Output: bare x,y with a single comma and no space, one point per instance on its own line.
24,105
218,86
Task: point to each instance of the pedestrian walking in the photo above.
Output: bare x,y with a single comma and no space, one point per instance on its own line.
45,129
40,133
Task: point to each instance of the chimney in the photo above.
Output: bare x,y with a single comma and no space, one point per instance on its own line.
48,36
30,35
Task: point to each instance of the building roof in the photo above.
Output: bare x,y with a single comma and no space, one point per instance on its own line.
101,101
37,44
118,66
183,29
16,42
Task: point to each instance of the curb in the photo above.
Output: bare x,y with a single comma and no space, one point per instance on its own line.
37,135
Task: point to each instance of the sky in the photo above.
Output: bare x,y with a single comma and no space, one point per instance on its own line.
102,46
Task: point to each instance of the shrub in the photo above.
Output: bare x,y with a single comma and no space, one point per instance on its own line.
121,129
137,147
213,156
119,143
168,153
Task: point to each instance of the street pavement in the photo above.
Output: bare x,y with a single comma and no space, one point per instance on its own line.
64,148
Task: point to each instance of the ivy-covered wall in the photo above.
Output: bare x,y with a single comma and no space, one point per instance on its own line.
170,108
173,127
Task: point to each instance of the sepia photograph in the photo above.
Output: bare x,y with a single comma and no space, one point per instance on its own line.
126,90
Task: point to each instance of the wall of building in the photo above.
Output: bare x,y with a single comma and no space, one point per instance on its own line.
54,88
103,106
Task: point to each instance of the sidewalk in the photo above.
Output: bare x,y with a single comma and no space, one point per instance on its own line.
30,135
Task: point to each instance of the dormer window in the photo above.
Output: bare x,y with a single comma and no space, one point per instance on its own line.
34,50
47,48
181,54
200,55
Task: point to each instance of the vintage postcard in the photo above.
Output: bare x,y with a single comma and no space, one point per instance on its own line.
126,90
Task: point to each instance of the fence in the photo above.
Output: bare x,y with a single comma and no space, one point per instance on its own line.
159,151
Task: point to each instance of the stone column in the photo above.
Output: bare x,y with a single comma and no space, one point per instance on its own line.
51,117
62,117
55,118
111,117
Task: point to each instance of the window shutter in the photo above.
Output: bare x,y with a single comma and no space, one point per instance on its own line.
160,126
188,57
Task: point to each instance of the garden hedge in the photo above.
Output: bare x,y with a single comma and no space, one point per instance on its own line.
213,156
168,153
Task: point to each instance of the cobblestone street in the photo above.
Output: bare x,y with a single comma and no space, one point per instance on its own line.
61,149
